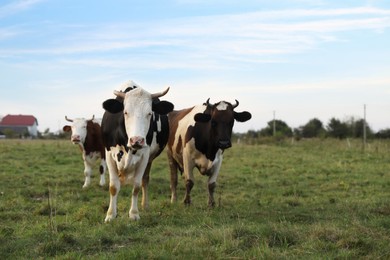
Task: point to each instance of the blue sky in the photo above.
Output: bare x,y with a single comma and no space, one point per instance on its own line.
299,58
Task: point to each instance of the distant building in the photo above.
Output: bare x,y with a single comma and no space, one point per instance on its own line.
21,125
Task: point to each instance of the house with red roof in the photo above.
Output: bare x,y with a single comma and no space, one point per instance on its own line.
22,125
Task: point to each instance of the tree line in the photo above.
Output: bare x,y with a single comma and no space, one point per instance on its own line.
314,128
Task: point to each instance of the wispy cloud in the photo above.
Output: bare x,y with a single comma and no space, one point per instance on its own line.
17,6
253,37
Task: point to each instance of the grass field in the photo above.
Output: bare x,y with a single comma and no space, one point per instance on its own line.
306,200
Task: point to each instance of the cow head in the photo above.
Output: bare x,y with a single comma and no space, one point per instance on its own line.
220,119
137,107
78,128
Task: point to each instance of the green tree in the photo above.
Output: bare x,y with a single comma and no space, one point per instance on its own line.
313,128
384,133
338,129
357,129
281,128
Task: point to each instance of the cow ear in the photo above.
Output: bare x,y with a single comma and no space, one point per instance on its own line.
113,106
162,107
66,128
202,118
242,116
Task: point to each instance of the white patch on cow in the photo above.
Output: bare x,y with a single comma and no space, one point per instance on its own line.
185,122
159,125
215,167
79,130
137,112
128,84
222,106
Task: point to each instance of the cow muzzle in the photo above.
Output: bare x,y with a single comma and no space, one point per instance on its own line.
75,139
224,144
136,142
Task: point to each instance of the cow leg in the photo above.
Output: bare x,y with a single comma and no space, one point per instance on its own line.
189,177
102,170
87,173
187,198
115,186
211,187
212,183
139,172
173,171
145,183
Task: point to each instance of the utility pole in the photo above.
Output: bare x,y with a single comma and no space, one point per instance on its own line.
364,130
274,126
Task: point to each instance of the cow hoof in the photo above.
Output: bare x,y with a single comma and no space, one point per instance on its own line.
85,186
134,217
109,219
102,183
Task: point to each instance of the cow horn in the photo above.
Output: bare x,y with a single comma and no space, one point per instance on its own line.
236,105
93,117
160,94
207,102
67,119
120,94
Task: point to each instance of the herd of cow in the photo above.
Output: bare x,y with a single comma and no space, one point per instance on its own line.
136,127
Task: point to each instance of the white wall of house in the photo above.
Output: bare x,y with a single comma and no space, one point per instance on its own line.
33,130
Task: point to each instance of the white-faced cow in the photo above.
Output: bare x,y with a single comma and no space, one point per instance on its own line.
87,135
135,131
198,137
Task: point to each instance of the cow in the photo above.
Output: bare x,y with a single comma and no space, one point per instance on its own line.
86,133
135,131
198,137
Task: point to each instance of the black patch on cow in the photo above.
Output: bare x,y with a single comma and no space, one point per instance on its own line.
162,107
113,130
242,116
119,156
93,141
113,106
161,136
200,132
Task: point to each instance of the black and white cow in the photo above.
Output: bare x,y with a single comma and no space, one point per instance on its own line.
135,131
86,133
198,137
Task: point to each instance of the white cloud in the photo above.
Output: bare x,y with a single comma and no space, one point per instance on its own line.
216,42
252,34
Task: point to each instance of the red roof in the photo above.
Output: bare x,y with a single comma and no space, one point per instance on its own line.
18,120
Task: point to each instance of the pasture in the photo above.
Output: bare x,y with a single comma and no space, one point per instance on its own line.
307,199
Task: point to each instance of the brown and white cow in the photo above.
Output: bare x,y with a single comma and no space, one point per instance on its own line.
135,131
198,137
86,133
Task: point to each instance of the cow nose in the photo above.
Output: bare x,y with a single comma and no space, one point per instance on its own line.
75,138
224,144
137,142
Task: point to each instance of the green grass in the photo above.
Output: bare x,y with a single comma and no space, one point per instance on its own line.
309,199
